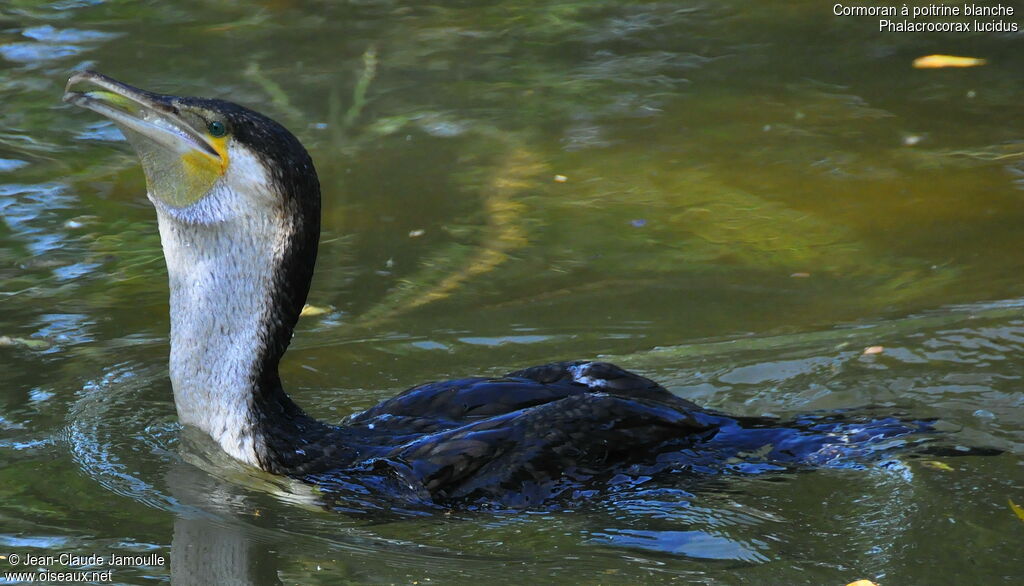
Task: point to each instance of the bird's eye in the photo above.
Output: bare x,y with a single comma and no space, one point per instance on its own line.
217,129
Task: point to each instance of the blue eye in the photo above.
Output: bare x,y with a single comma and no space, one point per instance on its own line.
217,129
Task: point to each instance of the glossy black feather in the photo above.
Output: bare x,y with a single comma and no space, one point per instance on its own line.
538,434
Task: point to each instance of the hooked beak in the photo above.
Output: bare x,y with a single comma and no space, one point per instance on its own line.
151,115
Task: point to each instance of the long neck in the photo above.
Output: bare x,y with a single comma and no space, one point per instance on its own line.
237,287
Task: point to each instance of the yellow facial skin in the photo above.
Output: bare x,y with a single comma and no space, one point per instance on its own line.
179,177
185,181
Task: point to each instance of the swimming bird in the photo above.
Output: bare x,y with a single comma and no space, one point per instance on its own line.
237,202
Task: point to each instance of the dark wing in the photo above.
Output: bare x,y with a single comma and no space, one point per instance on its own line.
533,454
527,434
457,402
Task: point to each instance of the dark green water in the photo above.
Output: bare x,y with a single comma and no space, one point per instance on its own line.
753,193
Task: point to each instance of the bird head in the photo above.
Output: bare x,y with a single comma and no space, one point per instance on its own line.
205,160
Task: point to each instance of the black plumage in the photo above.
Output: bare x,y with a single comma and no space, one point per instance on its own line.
538,434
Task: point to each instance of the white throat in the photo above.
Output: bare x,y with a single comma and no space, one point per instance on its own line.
220,267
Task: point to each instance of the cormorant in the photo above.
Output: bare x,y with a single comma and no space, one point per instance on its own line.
238,206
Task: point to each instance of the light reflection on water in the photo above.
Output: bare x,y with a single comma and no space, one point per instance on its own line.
735,181
692,544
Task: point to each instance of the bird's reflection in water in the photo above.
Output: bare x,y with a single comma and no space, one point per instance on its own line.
211,544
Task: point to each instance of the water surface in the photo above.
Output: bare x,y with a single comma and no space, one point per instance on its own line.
735,198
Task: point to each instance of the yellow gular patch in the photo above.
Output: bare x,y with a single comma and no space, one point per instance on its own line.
199,171
202,165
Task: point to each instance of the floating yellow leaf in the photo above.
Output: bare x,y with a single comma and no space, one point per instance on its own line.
937,465
870,350
30,343
937,61
310,310
1017,509
862,583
